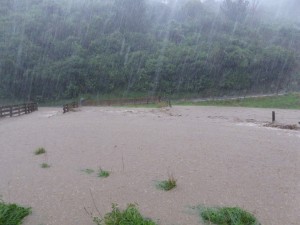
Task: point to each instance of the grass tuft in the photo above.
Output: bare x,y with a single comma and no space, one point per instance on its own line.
39,151
167,185
129,216
227,216
12,214
45,165
103,173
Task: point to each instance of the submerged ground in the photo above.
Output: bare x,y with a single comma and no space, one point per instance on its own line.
219,156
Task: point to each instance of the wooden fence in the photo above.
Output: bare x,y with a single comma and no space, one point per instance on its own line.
122,101
13,110
70,106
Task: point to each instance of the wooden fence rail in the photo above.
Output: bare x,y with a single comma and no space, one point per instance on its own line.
116,102
122,101
12,110
70,106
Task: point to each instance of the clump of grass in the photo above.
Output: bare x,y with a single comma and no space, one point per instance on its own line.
167,185
103,173
227,216
12,214
129,216
39,151
45,165
88,171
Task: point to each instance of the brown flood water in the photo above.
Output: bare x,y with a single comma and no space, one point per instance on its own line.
220,157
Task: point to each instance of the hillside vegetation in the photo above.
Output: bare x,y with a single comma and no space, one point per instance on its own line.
62,49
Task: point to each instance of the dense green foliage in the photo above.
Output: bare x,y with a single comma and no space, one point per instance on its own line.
290,101
129,216
228,216
65,48
11,214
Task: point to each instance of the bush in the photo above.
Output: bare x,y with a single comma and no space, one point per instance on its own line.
228,216
12,214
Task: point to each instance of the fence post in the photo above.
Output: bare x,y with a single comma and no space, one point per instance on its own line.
273,116
10,111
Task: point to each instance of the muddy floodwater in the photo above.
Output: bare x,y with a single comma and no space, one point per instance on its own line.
220,157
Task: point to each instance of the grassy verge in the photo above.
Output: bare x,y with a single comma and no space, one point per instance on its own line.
129,216
227,216
289,101
116,95
12,214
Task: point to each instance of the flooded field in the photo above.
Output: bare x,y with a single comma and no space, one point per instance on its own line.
220,157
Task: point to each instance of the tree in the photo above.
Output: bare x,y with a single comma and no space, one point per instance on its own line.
58,49
192,9
235,10
129,15
253,6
